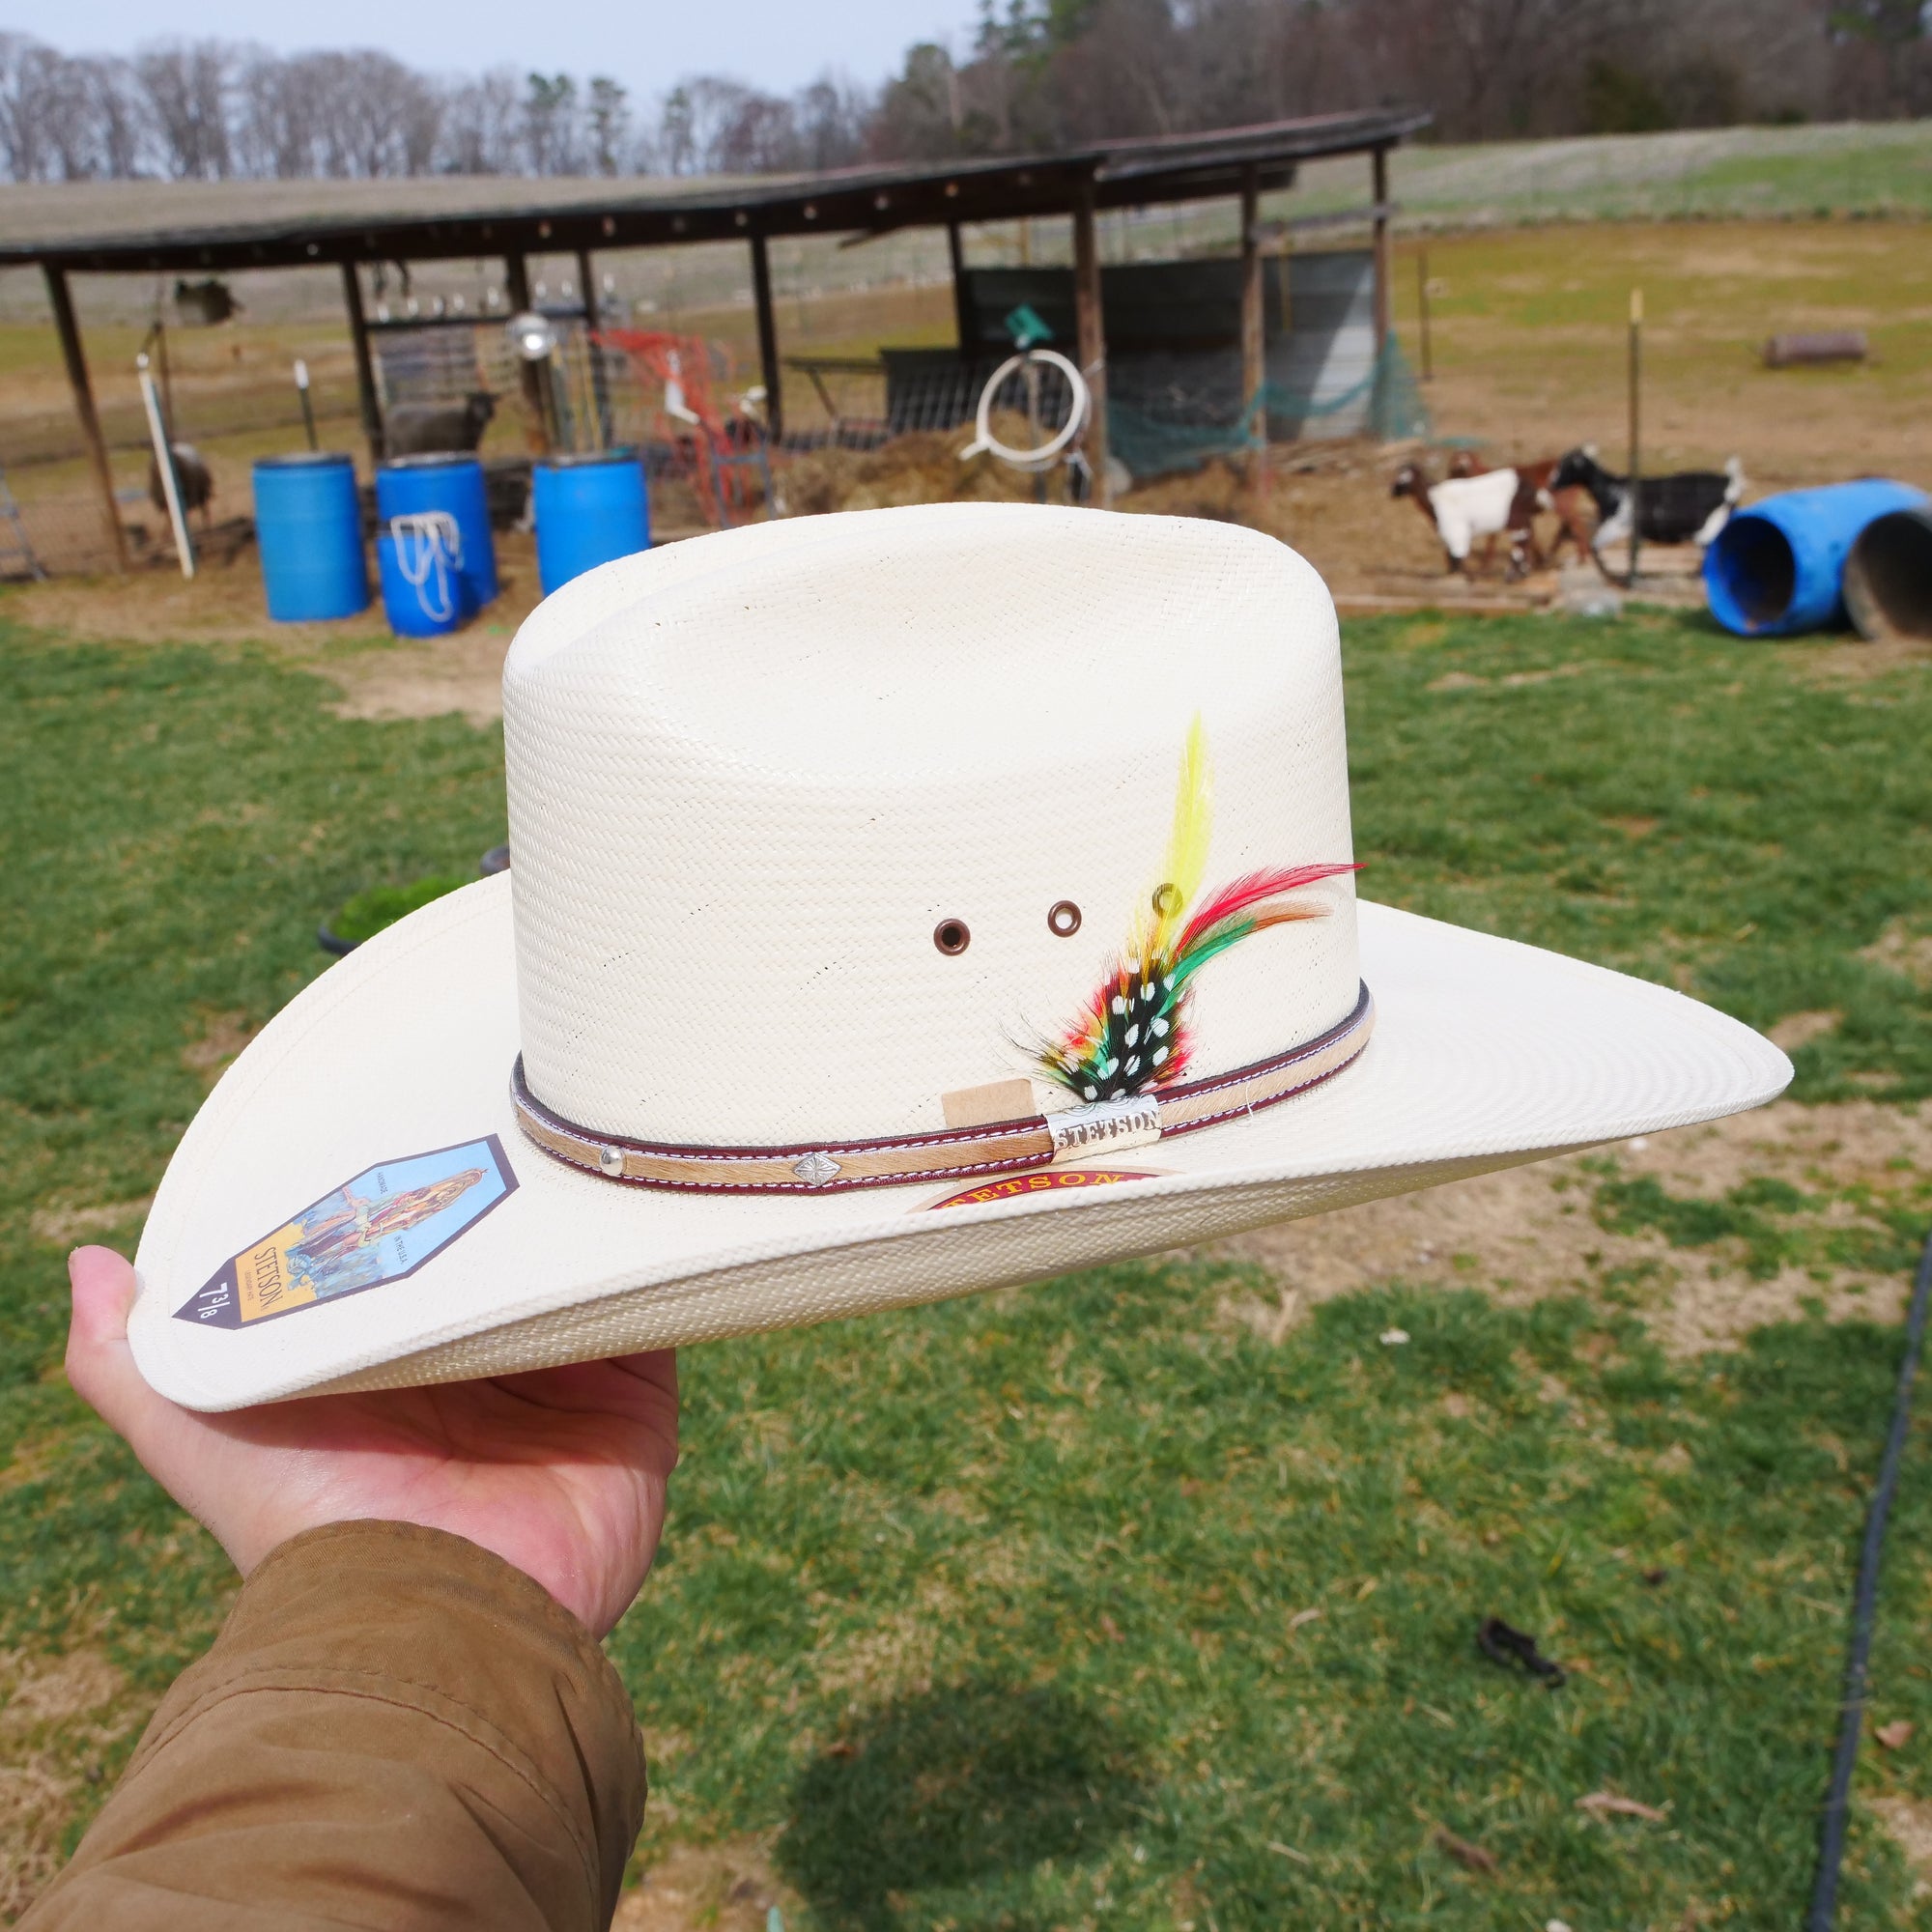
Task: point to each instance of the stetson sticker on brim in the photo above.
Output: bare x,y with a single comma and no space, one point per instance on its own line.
379,1226
1047,1180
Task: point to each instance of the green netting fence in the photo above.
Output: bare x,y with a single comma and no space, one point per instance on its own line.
1387,400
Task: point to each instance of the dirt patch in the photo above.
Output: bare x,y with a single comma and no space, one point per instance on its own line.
463,672
1531,1231
726,1887
81,1697
63,1226
1901,951
1909,1823
1796,1030
224,1036
52,1691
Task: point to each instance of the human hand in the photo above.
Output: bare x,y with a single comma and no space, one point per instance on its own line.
559,1471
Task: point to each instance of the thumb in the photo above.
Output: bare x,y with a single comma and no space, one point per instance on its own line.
99,1364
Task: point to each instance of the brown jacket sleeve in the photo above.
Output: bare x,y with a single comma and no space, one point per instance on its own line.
394,1730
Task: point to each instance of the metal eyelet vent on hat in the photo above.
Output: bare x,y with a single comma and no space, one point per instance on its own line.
950,935
1064,919
1166,900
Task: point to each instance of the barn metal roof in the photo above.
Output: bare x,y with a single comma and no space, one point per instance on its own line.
84,226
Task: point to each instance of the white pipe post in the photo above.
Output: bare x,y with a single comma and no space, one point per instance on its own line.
164,461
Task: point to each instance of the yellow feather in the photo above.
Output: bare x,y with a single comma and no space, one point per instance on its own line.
1186,865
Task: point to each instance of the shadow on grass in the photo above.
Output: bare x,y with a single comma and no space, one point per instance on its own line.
953,1788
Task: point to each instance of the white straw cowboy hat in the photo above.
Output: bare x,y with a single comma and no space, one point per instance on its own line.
903,903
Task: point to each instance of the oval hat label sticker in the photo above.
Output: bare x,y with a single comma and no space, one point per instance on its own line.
379,1226
1048,1180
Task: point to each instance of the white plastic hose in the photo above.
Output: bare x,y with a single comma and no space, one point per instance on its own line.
429,544
985,442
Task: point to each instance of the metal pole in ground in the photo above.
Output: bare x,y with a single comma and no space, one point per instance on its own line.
308,406
1635,455
1422,308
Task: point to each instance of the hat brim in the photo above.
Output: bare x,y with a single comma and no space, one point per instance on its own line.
1485,1053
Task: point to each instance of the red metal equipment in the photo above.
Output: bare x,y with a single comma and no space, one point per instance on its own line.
721,454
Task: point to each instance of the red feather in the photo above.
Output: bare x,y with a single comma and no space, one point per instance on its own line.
1251,890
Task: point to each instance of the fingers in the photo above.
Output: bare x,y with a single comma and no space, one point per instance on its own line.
99,1364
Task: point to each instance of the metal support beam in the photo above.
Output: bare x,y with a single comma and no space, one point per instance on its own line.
1254,327
365,367
536,400
1089,328
768,340
593,321
1385,261
962,306
83,407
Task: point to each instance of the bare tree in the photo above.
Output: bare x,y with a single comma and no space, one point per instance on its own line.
186,85
482,126
116,115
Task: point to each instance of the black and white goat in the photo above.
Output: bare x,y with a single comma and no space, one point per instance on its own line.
1691,507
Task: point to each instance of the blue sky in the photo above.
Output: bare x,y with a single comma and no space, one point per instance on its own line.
773,44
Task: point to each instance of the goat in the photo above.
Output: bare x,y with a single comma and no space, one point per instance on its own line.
1466,507
426,429
1691,507
191,477
1539,480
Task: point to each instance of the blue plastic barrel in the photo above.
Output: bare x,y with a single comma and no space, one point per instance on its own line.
588,510
423,591
1778,568
308,525
453,484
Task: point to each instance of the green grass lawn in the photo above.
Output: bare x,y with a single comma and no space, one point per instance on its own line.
996,1614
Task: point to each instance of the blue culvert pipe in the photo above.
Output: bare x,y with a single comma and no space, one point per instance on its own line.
1779,567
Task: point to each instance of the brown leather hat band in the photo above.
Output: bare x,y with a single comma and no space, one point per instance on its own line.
957,1154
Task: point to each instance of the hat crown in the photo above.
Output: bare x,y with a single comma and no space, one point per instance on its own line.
797,810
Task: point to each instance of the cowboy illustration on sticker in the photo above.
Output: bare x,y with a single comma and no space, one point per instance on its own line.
380,1226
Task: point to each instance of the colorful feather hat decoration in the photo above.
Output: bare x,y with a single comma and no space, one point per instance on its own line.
1133,1036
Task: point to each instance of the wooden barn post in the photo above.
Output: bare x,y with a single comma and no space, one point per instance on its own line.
768,340
962,306
365,367
1091,329
1254,320
1384,264
68,330
593,321
536,400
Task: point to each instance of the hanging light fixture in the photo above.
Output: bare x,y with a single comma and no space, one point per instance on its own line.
530,336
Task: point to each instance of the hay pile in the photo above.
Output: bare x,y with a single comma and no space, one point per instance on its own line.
921,467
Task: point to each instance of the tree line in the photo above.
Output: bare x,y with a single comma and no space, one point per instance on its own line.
209,110
1035,75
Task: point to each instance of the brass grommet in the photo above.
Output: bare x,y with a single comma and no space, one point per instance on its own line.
950,935
1064,919
1166,900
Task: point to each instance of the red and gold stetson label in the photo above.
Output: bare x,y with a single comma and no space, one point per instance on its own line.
379,1226
1048,1180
